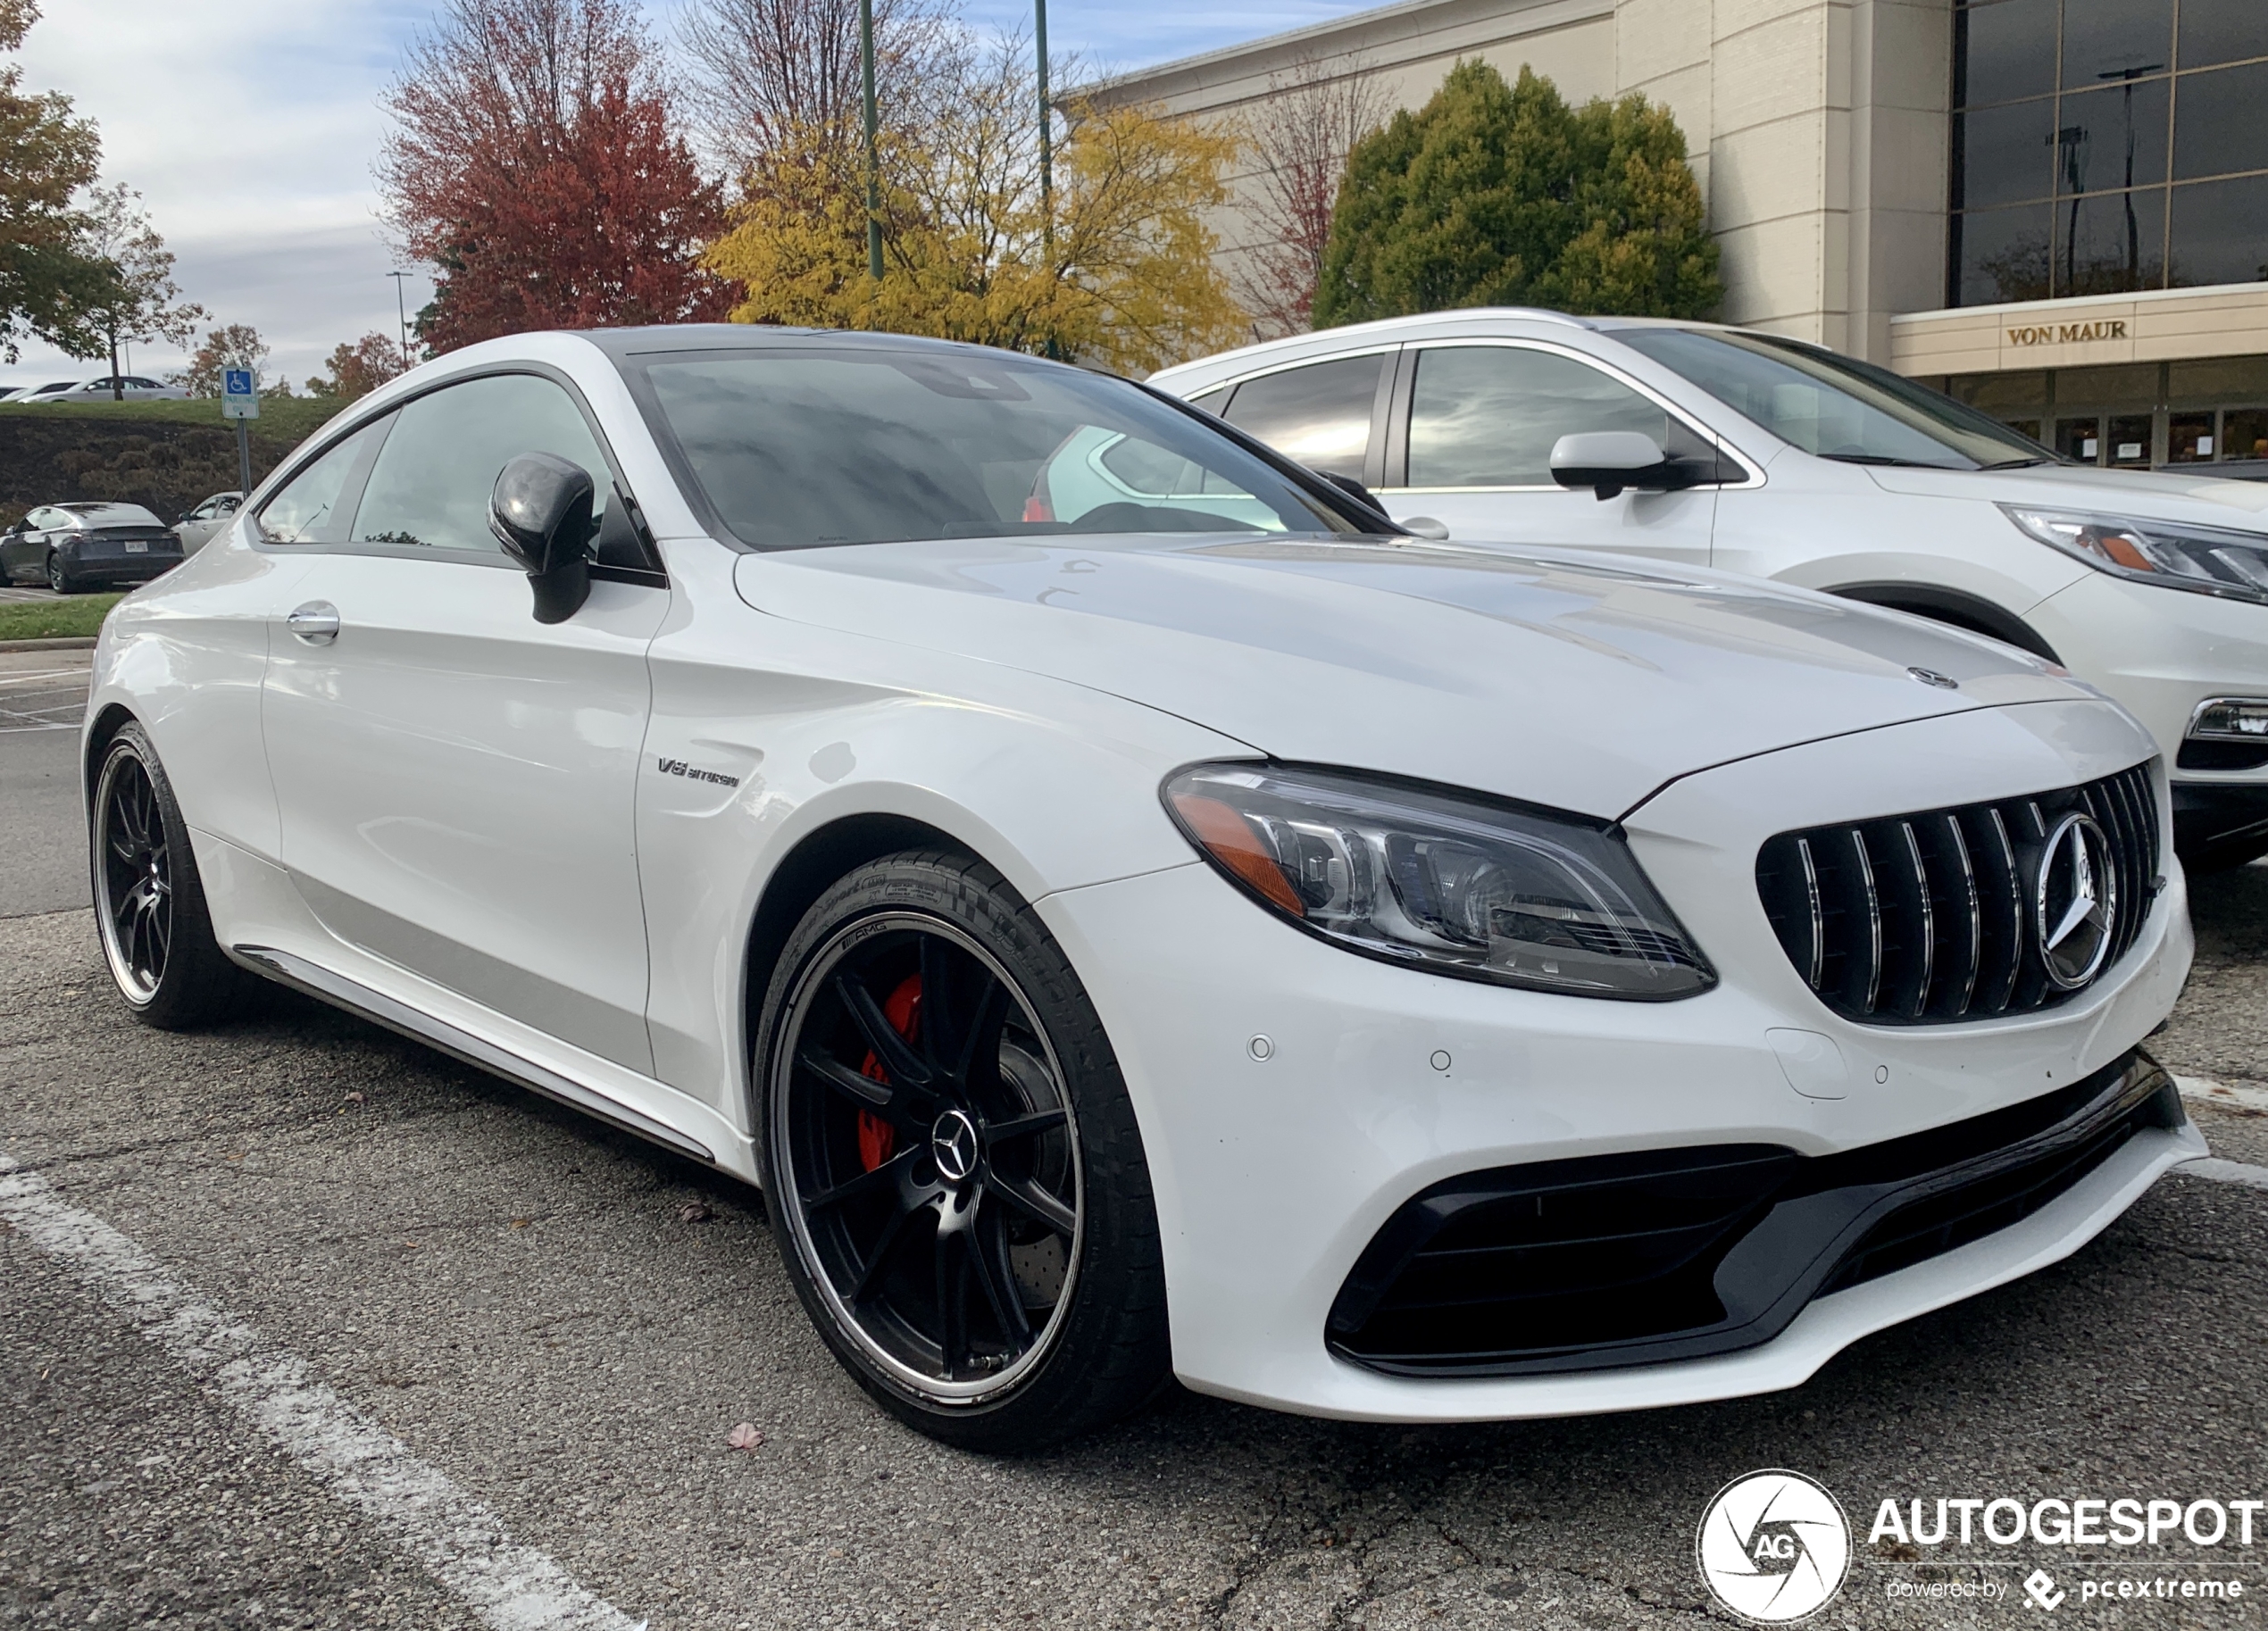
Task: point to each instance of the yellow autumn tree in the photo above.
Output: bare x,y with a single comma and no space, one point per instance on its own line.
1119,273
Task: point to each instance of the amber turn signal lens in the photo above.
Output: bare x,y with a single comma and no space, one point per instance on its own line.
1228,838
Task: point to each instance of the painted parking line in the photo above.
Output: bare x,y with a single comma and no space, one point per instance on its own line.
460,1541
2205,1090
2226,1171
48,698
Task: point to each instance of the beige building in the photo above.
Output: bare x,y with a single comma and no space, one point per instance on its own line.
2059,213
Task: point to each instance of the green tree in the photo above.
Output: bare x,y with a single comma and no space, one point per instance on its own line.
1502,195
1642,246
46,154
130,294
230,345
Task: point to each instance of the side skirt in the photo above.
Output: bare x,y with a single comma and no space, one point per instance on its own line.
361,1001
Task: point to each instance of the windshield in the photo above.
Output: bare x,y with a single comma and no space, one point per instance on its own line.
1834,406
806,447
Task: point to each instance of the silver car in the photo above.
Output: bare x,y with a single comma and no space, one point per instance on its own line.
121,388
197,527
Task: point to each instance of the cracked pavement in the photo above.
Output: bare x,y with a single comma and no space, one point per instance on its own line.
515,1293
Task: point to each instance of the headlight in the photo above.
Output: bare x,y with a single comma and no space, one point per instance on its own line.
1452,883
2209,560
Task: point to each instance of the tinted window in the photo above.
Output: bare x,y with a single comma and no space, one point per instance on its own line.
1830,406
2001,255
2005,49
2218,125
1486,416
433,478
2105,39
795,448
2006,153
2223,31
2112,137
2111,242
2217,232
305,509
1320,414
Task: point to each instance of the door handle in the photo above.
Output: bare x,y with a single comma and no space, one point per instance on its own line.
316,622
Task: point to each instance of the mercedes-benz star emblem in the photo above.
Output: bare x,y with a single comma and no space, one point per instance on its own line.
953,1145
1931,676
2075,905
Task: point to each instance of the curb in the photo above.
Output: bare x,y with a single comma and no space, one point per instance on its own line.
77,643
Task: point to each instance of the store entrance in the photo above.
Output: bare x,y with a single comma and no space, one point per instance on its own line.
2133,416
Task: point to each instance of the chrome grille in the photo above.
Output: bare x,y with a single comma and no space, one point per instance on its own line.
1925,919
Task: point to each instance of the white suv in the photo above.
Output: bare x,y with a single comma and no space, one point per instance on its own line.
1756,454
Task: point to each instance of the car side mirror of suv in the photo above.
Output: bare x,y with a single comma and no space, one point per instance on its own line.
1608,461
540,511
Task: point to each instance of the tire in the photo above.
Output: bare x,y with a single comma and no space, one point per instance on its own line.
951,1163
149,903
61,581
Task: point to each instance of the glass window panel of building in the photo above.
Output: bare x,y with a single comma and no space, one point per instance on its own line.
2105,145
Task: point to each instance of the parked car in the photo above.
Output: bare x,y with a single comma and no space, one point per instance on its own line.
78,546
197,527
33,392
1749,451
1192,931
7,391
128,387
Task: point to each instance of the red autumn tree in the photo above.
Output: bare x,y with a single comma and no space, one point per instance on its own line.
1315,114
534,161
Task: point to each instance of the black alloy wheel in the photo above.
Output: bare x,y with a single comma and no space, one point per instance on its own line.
149,902
928,1163
134,876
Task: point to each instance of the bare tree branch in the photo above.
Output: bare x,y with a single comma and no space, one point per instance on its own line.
1315,114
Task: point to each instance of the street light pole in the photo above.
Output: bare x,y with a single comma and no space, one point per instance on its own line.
873,141
1046,133
401,315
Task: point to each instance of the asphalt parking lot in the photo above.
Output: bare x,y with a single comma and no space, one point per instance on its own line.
352,1280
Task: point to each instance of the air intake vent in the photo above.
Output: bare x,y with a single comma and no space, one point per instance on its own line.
1934,917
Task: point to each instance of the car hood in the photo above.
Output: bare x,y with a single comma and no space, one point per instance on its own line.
2166,496
1580,685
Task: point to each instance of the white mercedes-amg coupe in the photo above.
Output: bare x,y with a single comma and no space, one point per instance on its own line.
1134,911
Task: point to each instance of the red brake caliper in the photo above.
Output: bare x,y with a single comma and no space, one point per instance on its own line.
876,1139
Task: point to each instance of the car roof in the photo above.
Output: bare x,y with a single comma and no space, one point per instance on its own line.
661,338
105,511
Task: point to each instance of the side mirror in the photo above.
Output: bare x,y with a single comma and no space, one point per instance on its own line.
1608,461
541,513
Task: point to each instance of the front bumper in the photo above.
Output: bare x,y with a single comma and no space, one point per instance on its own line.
2160,653
1276,1164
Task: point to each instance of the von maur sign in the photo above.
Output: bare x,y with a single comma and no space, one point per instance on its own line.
240,401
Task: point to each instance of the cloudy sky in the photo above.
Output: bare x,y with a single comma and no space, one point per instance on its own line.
249,127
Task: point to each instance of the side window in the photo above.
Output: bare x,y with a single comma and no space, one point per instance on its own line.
1486,416
306,509
1319,414
1211,401
433,478
41,519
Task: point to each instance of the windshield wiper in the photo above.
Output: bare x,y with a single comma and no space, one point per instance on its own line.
1912,464
2018,465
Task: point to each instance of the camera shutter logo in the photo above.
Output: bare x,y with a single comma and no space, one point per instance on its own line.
1773,1547
2076,902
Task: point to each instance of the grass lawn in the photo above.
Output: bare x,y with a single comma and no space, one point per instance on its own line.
291,420
54,619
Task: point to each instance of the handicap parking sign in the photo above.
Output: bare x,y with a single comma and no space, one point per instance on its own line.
240,394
